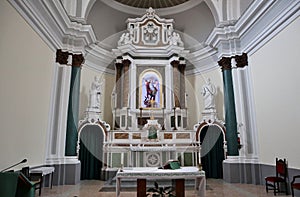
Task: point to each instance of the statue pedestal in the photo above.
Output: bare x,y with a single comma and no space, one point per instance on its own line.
93,114
209,115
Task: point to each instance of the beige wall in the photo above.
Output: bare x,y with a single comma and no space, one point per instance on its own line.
195,102
275,75
25,84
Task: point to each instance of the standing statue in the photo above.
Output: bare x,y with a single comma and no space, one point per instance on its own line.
208,92
95,92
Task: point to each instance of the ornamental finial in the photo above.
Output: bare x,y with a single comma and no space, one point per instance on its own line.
150,12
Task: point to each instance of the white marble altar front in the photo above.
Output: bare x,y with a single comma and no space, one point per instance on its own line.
156,174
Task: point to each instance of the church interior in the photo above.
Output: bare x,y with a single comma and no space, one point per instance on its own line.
91,88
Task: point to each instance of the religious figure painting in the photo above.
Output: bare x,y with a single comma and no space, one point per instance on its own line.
150,96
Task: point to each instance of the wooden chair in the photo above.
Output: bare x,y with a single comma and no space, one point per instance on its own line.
295,184
35,180
275,182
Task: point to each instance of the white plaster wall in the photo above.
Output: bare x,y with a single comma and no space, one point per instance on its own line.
275,75
26,71
87,77
195,102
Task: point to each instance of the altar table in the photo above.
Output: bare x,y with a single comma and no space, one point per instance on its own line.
141,174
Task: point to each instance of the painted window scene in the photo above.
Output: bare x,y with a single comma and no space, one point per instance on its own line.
150,94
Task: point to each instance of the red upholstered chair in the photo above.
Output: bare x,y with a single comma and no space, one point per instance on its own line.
275,182
295,184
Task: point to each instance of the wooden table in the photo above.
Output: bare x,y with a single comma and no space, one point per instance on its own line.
141,174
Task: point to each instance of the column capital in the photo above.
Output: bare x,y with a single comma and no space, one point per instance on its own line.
77,60
62,57
241,60
126,62
175,63
225,63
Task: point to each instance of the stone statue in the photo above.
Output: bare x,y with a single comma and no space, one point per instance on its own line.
125,39
95,92
208,92
175,39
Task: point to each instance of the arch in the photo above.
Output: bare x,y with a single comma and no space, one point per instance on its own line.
214,11
147,79
212,150
91,138
88,8
216,123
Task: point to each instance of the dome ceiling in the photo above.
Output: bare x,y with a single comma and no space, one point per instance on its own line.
155,4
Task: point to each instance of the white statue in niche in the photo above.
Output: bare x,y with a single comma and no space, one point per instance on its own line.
95,92
208,92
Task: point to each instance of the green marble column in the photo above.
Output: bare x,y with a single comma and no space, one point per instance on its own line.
230,114
73,107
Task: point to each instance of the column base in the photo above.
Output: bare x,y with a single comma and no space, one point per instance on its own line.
241,170
67,170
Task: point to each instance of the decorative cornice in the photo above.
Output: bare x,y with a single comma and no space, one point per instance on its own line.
260,22
50,20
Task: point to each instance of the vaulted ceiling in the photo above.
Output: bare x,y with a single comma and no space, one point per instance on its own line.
155,4
194,19
209,29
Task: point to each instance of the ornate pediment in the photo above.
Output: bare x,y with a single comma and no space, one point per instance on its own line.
150,31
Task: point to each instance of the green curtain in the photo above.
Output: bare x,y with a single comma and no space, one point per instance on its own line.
91,152
212,152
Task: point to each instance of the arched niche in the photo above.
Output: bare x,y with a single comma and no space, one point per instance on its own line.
150,83
91,137
213,148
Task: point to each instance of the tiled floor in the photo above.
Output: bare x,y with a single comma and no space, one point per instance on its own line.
215,187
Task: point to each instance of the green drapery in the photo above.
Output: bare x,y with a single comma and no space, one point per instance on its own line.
212,152
73,108
91,152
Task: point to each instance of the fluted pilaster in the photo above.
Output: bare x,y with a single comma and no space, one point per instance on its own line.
73,106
